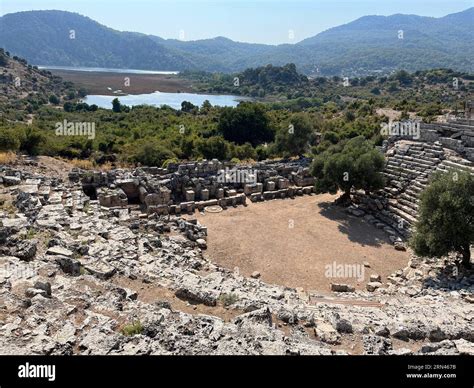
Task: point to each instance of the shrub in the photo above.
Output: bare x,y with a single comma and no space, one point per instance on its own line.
133,328
150,152
167,162
53,99
213,147
31,141
243,152
9,140
228,299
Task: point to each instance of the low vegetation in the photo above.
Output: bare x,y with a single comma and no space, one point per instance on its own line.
7,157
228,299
133,328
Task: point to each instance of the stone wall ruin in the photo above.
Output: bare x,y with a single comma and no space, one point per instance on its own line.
186,187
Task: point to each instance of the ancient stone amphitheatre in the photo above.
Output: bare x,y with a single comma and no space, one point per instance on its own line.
92,257
216,197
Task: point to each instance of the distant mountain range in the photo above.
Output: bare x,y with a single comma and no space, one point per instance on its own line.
368,44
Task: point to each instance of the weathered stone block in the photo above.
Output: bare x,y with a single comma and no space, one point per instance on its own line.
270,186
250,188
130,188
189,195
204,194
283,183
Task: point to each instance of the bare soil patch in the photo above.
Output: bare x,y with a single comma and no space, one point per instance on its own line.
99,82
290,242
151,293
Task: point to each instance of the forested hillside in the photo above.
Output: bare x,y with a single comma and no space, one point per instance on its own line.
371,44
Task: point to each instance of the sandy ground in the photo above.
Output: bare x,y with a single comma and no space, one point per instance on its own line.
291,242
99,82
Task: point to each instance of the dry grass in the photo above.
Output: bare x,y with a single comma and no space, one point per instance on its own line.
7,157
110,166
86,164
6,205
83,164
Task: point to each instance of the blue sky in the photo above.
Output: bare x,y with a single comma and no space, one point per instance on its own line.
255,21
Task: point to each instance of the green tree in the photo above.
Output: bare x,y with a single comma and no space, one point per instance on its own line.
294,138
213,147
150,152
350,164
247,123
403,77
68,106
189,107
53,99
82,92
446,217
3,59
116,105
206,105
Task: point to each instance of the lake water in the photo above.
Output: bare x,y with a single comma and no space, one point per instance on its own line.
157,99
108,70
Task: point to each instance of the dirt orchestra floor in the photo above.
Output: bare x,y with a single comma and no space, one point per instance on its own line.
291,241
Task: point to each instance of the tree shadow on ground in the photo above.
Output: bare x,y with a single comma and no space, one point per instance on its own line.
356,229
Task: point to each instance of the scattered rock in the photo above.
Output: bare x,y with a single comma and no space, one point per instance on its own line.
69,265
376,345
375,278
327,333
205,298
372,286
255,274
201,243
340,287
32,292
25,249
11,180
399,246
344,326
59,251
46,286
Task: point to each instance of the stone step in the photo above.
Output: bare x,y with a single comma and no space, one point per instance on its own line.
413,192
399,172
408,201
396,204
460,125
410,219
448,169
420,161
463,164
400,224
418,185
405,166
